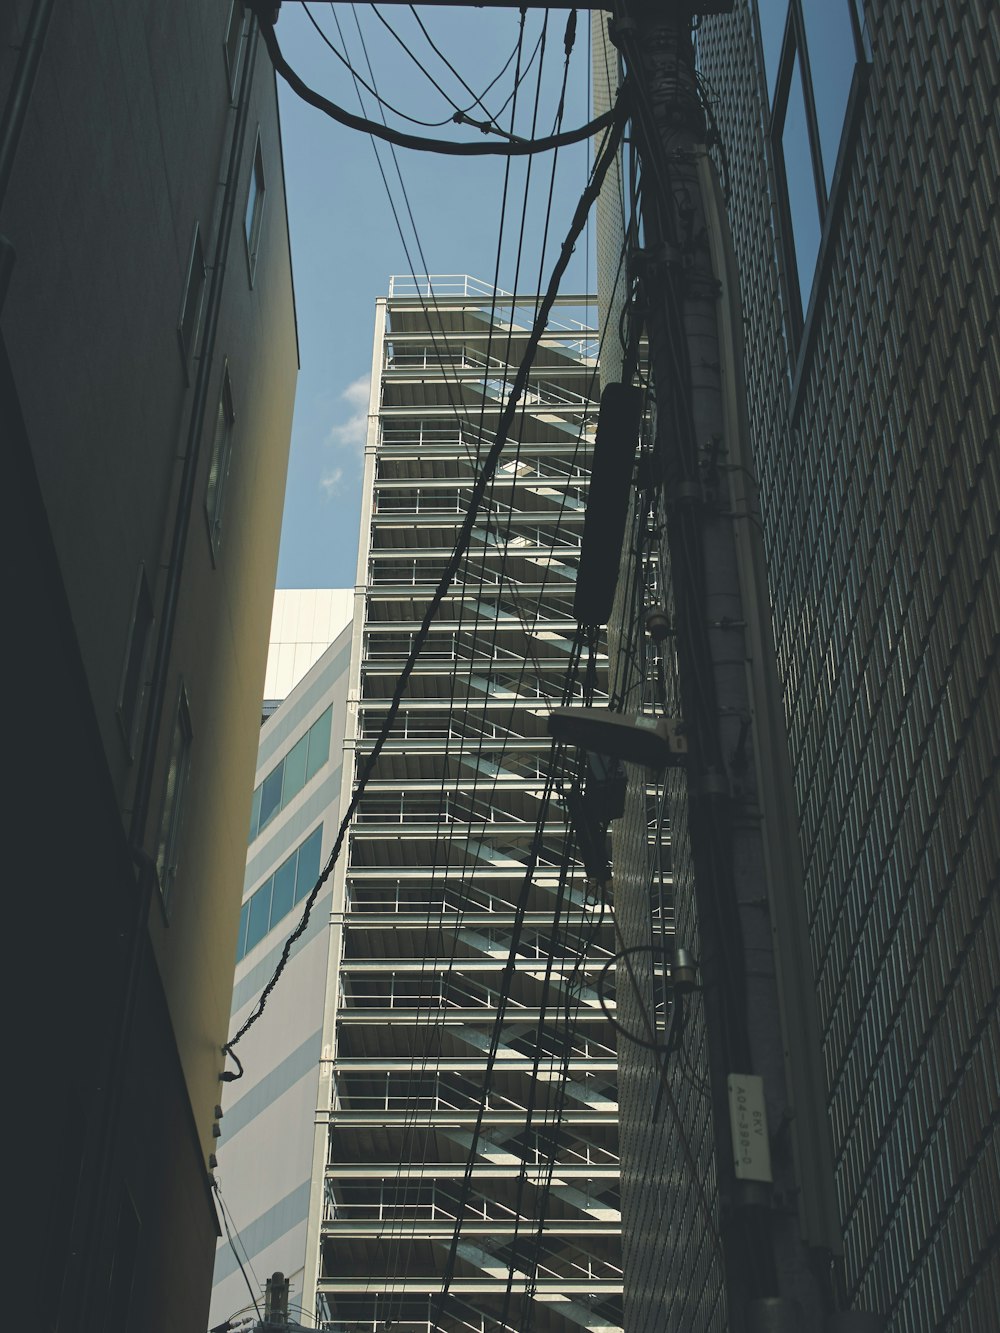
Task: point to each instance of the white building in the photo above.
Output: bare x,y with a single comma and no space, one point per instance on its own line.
265,1153
447,1185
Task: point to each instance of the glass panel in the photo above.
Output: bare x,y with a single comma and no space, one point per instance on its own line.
241,946
295,768
255,814
249,216
260,915
283,896
308,868
319,744
832,57
234,33
270,795
801,182
173,799
772,15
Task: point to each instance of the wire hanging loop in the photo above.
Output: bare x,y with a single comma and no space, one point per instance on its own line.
624,956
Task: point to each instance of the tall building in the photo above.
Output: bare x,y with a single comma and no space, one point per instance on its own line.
465,1144
860,152
265,1152
146,384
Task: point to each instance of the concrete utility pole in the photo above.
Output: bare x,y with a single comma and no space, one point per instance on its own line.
778,1215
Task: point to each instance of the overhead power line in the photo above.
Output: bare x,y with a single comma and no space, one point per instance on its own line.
509,148
602,164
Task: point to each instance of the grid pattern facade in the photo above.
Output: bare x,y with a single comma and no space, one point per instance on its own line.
875,438
671,1233
438,858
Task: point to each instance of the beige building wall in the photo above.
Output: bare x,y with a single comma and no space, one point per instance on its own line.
123,159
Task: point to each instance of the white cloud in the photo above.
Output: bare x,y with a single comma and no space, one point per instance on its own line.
351,433
330,483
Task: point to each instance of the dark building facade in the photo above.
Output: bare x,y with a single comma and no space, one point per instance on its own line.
146,385
861,149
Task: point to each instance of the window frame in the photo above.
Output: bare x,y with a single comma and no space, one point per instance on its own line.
220,459
175,784
190,315
302,886
795,52
253,222
129,711
233,44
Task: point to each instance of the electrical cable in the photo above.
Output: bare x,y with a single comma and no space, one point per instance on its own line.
472,1155
514,585
488,126
601,165
223,1211
427,124
411,217
462,600
517,148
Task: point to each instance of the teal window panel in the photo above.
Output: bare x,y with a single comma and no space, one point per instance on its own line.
259,920
255,814
241,937
295,768
270,795
279,893
319,743
283,895
308,863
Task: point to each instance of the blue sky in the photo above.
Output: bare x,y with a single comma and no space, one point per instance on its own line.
345,243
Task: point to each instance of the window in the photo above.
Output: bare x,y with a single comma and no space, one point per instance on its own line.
280,892
168,844
189,325
232,43
302,762
803,204
133,683
218,469
255,207
811,49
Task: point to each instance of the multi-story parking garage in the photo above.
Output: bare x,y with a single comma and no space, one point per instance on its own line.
471,1167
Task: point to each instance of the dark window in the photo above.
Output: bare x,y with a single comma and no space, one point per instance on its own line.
189,325
218,470
174,788
232,43
132,687
254,214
